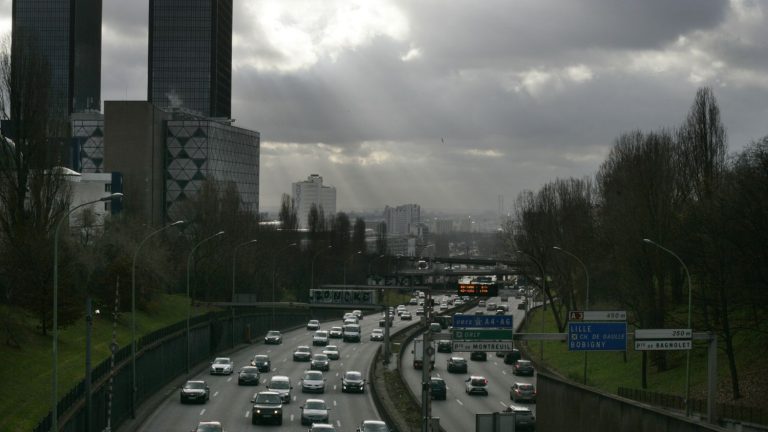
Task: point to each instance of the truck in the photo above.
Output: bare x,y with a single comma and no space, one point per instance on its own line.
418,354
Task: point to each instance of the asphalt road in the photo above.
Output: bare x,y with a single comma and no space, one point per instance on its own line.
230,403
457,412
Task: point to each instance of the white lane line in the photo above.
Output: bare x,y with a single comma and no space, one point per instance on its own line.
274,369
247,413
229,379
334,403
503,404
460,402
447,388
337,374
334,386
202,412
294,399
291,417
504,372
215,394
495,364
338,423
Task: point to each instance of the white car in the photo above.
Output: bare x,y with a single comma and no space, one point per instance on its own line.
377,334
281,385
332,351
313,325
222,366
335,333
320,338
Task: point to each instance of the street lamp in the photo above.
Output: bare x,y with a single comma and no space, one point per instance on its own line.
312,272
55,333
133,313
586,301
543,287
189,305
687,352
344,265
274,278
234,254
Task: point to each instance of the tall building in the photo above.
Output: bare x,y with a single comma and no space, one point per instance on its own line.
402,220
190,55
67,35
312,191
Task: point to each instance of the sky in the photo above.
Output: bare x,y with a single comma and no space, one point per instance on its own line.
452,104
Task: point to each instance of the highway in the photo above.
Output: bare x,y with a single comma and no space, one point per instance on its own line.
230,403
457,412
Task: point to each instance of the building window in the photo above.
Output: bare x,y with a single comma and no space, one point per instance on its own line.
108,187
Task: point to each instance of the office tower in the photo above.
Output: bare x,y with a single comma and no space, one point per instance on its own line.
190,55
402,220
312,191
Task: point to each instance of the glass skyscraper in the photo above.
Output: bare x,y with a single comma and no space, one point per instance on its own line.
190,55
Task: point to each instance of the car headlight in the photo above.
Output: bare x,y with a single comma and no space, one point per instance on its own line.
258,411
276,411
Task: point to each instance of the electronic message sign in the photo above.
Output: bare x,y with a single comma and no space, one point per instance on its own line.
478,289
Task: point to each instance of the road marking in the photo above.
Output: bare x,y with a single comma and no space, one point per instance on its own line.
334,403
294,399
447,388
202,412
504,372
229,379
334,387
503,404
215,394
495,364
291,417
247,413
274,369
460,402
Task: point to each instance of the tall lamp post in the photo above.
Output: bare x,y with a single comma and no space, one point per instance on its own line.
274,278
55,330
687,352
189,305
133,312
543,287
312,272
586,301
234,255
344,266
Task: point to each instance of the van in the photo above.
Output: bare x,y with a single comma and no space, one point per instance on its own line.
435,327
351,333
281,384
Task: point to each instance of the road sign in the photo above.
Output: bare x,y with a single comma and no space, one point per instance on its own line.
597,336
340,296
481,334
663,339
482,321
478,289
597,315
469,346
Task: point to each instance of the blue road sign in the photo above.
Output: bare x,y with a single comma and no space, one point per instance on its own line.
482,321
597,336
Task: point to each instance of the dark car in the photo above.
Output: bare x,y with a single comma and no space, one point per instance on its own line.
262,362
302,353
457,364
314,411
438,388
320,362
194,391
523,367
273,337
248,375
478,355
510,357
444,346
406,316
267,407
522,305
522,392
352,381
524,418
373,426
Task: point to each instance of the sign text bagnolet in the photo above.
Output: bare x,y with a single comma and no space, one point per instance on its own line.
597,336
340,296
482,321
469,346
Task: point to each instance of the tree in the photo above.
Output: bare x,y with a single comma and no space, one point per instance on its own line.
288,218
358,236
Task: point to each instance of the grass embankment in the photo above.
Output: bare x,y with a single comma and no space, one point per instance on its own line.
26,373
611,370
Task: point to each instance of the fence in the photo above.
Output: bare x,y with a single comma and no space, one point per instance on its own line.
739,413
161,356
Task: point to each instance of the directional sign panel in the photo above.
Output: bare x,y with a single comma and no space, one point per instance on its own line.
656,334
482,321
597,315
597,336
346,297
469,346
481,334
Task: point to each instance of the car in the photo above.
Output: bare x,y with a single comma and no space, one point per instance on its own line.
320,338
267,407
500,311
281,385
476,385
313,325
523,367
320,362
262,362
322,427
351,333
352,320
413,301
481,303
419,311
522,305
248,375
358,313
524,417
406,316
312,382
435,327
458,302
383,320
438,389
372,426
478,356
490,306
302,353
522,392
479,312
222,366
400,309
511,357
335,333
444,346
457,364
194,391
377,334
332,351
209,426
314,411
273,337
352,381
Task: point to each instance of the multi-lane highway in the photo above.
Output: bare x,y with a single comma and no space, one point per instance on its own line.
230,403
457,412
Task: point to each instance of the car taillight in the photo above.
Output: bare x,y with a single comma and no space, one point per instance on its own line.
485,381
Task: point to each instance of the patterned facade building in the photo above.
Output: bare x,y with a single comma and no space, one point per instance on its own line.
88,142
